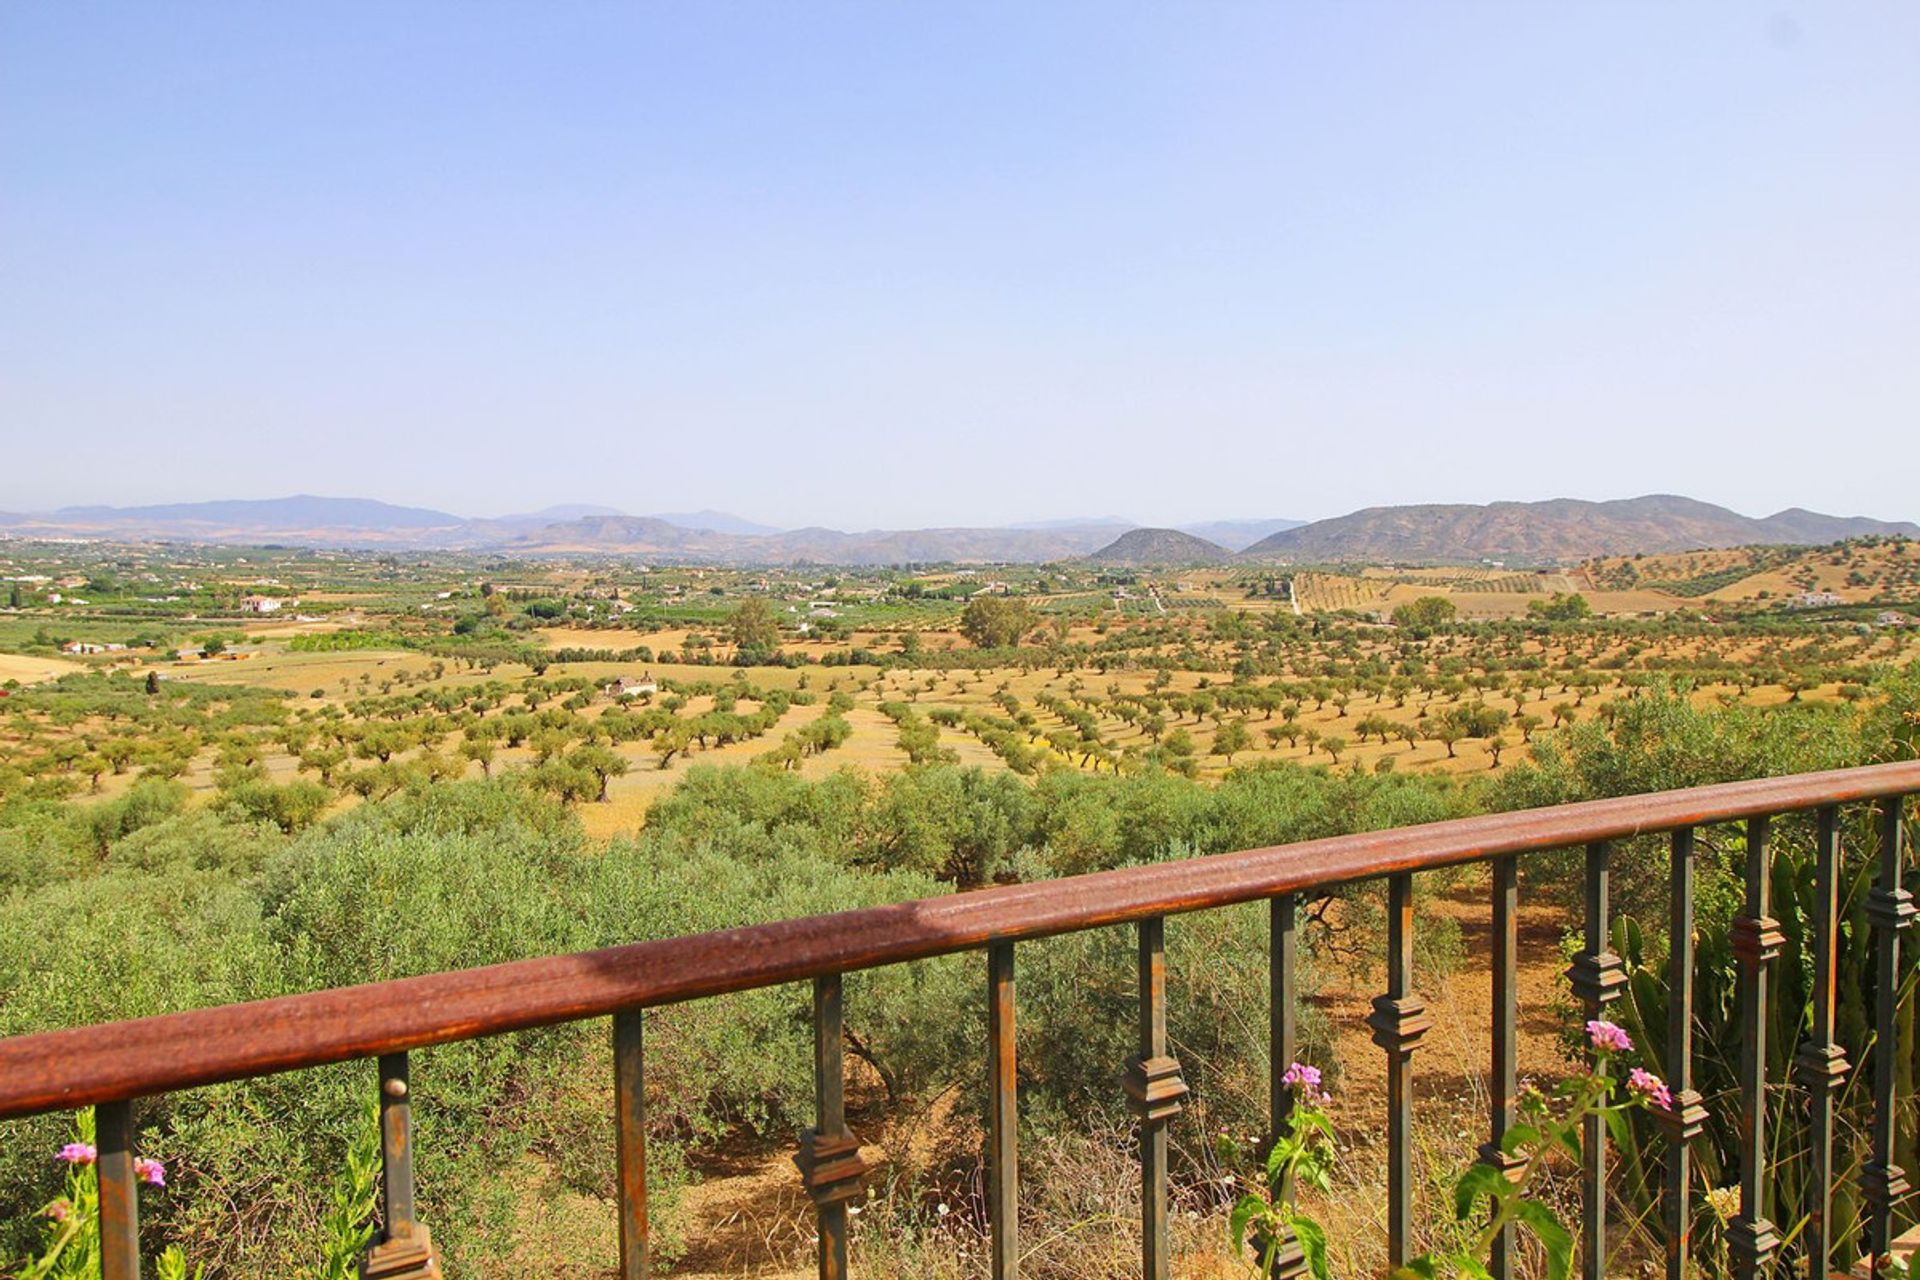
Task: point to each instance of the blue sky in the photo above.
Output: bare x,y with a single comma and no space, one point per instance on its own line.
917,264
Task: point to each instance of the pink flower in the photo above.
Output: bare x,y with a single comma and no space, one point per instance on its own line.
1305,1081
1301,1074
78,1153
59,1210
1608,1037
151,1172
1651,1087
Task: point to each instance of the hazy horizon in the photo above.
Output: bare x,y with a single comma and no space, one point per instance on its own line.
1057,520
880,268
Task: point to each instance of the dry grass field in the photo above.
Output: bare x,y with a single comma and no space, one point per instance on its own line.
1856,572
32,670
1479,595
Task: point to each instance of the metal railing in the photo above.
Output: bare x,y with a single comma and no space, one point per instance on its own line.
112,1065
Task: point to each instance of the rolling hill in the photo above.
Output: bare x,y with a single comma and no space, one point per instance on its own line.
1557,531
1142,547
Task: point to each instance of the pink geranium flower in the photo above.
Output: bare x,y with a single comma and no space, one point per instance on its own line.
151,1172
1651,1087
78,1153
1608,1037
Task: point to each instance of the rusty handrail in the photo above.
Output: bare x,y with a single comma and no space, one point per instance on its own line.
82,1066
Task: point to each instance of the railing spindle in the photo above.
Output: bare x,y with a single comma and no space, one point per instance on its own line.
630,1139
1003,1116
1752,1239
1503,1081
1398,1021
1687,1117
405,1251
1289,1260
1890,907
829,1158
1282,994
1597,976
119,1192
1820,1063
1155,1092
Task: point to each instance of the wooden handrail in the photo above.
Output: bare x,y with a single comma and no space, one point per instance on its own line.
81,1066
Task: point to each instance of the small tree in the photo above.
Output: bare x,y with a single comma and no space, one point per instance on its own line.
1231,739
1425,615
754,631
996,622
603,763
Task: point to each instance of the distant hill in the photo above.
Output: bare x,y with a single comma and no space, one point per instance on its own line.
302,519
1797,525
656,538
301,511
1238,535
561,511
1141,547
1564,529
714,522
1517,532
641,535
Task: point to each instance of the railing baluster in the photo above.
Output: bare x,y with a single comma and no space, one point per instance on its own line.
1687,1117
829,1158
1890,907
119,1192
1155,1092
1820,1063
1503,1081
630,1139
405,1251
1282,1003
1282,981
1003,1116
1597,976
1752,1239
1398,1021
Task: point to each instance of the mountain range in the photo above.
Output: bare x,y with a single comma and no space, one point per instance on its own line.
1556,531
1517,532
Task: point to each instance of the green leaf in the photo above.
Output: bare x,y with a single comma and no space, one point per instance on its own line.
1243,1213
1518,1134
1618,1128
1478,1180
1315,1120
1467,1265
1553,1237
1567,1138
1313,1243
1283,1150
